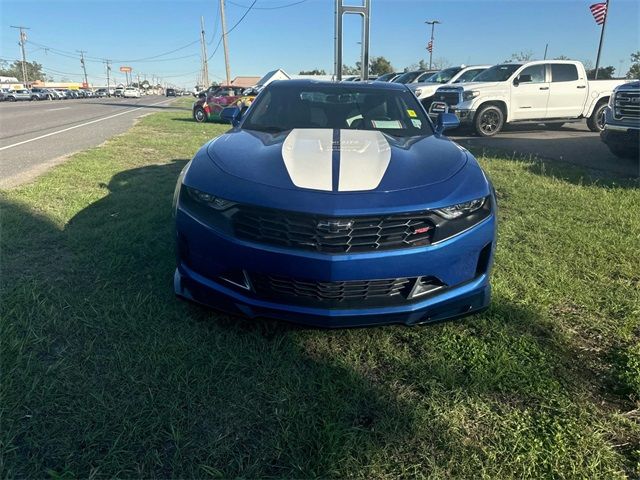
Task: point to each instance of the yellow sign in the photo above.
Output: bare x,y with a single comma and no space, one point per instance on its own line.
412,113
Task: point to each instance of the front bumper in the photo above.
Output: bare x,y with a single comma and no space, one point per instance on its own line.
456,261
465,116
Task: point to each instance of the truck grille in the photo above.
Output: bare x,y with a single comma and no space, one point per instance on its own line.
338,294
333,235
448,97
627,105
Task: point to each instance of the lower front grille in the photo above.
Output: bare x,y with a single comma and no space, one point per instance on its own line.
333,294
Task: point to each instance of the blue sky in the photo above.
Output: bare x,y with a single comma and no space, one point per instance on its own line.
301,36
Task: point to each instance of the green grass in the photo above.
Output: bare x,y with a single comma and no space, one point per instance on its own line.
104,373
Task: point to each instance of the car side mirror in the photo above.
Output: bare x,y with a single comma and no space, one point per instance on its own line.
446,121
522,79
231,115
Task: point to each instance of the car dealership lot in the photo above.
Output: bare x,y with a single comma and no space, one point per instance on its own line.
107,374
573,143
33,135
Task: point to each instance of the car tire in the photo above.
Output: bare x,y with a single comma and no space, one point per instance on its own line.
488,121
199,115
596,121
12,99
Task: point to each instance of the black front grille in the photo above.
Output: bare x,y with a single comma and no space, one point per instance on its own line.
450,98
333,235
333,294
627,105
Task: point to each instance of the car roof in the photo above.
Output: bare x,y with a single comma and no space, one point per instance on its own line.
366,85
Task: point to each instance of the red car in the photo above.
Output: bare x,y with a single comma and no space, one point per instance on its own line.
211,102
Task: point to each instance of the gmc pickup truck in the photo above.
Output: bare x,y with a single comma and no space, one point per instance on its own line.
622,121
552,92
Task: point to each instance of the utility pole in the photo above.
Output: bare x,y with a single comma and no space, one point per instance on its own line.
108,64
604,24
205,64
546,47
84,68
224,42
433,24
23,38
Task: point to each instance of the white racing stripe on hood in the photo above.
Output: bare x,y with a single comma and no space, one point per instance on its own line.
364,158
307,155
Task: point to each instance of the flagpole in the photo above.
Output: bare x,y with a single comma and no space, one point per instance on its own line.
604,24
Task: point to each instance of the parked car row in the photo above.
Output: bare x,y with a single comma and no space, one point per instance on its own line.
35,94
486,98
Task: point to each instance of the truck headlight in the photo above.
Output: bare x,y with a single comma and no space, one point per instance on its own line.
417,92
470,95
460,209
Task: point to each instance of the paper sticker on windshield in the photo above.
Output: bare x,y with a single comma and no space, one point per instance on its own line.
412,113
386,124
416,123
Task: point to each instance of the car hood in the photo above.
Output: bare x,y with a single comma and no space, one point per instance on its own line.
481,85
336,160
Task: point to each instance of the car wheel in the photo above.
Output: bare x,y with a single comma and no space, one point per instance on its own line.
596,121
489,121
12,99
199,115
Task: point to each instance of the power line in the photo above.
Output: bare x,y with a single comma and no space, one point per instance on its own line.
277,7
232,29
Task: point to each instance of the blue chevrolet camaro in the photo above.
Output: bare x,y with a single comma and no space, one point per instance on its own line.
335,204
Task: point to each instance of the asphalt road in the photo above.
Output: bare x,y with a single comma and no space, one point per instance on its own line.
573,143
36,135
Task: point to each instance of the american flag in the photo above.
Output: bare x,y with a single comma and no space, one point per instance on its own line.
599,12
430,46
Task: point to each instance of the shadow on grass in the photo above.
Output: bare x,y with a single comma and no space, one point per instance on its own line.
106,373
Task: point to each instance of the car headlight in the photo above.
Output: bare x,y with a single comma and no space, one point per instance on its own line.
470,95
209,200
460,209
417,92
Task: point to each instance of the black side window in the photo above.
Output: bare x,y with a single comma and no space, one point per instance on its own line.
561,72
532,74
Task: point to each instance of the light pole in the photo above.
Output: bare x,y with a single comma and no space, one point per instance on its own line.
430,48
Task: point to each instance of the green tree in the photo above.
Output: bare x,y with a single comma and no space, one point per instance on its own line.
379,66
34,71
634,71
604,73
315,71
347,70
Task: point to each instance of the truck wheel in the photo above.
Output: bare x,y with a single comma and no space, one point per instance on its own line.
199,115
489,121
596,121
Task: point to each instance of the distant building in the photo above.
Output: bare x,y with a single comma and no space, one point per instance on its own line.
245,81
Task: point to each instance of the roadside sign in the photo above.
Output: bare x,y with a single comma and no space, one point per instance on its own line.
125,69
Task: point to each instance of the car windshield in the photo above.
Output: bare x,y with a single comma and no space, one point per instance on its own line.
443,76
497,73
407,77
386,77
284,107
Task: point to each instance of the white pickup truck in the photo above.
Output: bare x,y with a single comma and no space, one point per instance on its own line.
552,92
424,90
